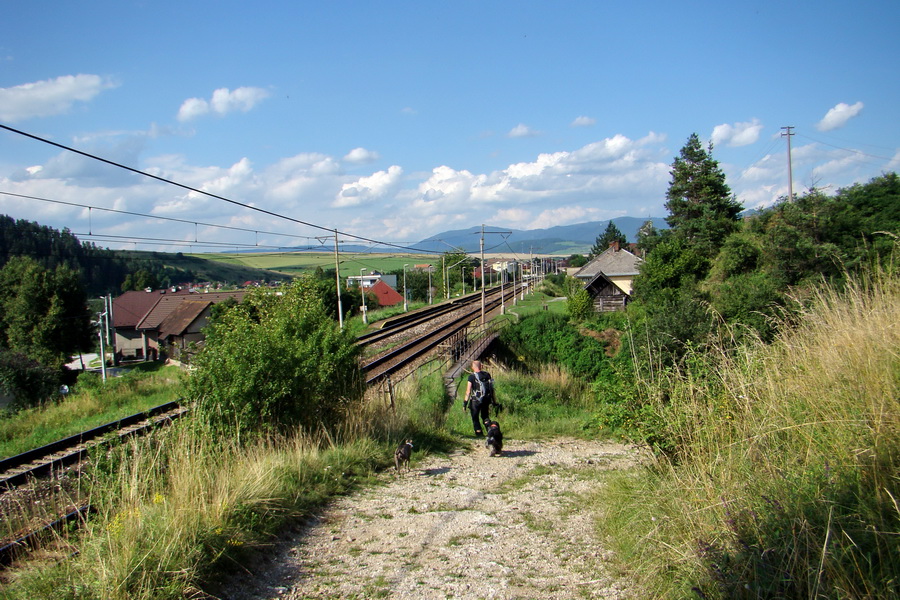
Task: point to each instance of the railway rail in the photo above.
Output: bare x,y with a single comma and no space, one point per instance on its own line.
457,315
407,353
28,467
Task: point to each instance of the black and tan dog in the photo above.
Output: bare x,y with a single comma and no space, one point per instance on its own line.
494,440
402,455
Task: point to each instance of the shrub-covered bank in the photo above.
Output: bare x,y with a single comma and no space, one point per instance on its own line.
781,478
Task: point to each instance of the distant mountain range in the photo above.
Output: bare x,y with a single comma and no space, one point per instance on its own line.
563,239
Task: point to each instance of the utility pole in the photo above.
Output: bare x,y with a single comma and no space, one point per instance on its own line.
482,274
102,325
337,278
110,324
787,134
482,270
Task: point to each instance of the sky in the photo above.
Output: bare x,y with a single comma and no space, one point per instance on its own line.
281,122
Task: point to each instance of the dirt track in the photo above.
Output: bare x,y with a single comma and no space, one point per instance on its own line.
463,526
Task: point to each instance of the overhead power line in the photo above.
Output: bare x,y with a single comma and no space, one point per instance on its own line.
205,193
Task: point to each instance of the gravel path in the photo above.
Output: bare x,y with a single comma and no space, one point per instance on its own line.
462,526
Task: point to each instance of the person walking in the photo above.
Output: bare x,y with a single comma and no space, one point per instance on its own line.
479,395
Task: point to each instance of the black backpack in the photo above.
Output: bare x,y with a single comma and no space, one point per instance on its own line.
484,388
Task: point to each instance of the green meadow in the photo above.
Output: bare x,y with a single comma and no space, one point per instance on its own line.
296,263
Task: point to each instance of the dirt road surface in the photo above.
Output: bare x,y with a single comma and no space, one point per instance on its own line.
464,526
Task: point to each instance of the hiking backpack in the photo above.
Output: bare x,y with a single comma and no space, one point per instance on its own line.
484,390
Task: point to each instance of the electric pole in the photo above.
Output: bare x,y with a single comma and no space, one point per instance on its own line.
337,277
787,134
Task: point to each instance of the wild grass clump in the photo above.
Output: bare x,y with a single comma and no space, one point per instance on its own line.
178,510
781,476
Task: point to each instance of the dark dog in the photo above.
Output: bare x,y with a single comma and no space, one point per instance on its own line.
402,455
494,440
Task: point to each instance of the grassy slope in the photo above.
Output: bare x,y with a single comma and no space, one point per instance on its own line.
785,483
90,404
298,262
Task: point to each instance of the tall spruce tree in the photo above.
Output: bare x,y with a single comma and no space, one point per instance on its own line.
611,234
702,210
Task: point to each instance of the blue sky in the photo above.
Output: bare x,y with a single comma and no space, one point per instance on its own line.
398,120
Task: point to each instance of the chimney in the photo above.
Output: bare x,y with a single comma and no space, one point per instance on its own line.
614,245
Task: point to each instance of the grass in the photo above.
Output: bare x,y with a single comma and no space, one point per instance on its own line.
179,509
784,479
91,404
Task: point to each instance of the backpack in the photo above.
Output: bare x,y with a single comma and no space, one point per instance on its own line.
484,388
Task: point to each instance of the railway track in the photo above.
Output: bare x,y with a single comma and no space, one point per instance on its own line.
28,467
16,470
409,352
26,475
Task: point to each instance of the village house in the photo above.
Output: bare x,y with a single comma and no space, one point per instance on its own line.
608,277
150,324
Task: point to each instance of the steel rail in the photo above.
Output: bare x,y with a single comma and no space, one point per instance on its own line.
403,355
394,325
32,540
25,461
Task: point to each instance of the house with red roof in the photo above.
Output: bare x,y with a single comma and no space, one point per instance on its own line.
386,295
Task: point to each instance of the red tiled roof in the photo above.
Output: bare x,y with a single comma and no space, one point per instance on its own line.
387,296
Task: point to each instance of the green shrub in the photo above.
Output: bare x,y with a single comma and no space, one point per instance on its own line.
25,380
275,362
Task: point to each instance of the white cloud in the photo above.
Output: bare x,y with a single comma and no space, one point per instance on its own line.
223,102
49,97
583,122
838,116
368,189
361,156
739,134
564,215
521,130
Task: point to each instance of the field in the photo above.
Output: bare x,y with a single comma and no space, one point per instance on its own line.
295,263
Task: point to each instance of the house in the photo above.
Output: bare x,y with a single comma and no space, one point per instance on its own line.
149,323
387,296
608,277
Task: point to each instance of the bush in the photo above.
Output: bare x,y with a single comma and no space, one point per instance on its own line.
275,362
27,381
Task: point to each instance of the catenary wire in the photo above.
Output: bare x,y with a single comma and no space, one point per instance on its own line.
210,194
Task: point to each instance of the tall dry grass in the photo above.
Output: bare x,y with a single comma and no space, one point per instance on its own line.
179,509
783,479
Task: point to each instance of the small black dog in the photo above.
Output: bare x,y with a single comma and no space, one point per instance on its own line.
494,440
402,455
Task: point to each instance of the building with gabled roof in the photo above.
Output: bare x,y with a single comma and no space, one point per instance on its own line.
145,322
386,295
608,277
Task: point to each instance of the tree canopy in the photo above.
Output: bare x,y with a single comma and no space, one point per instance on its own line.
43,312
701,207
275,362
611,234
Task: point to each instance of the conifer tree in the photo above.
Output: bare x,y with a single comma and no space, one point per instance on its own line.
611,234
702,210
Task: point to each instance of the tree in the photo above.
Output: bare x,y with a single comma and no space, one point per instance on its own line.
648,236
275,362
43,313
701,207
140,280
577,260
610,234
